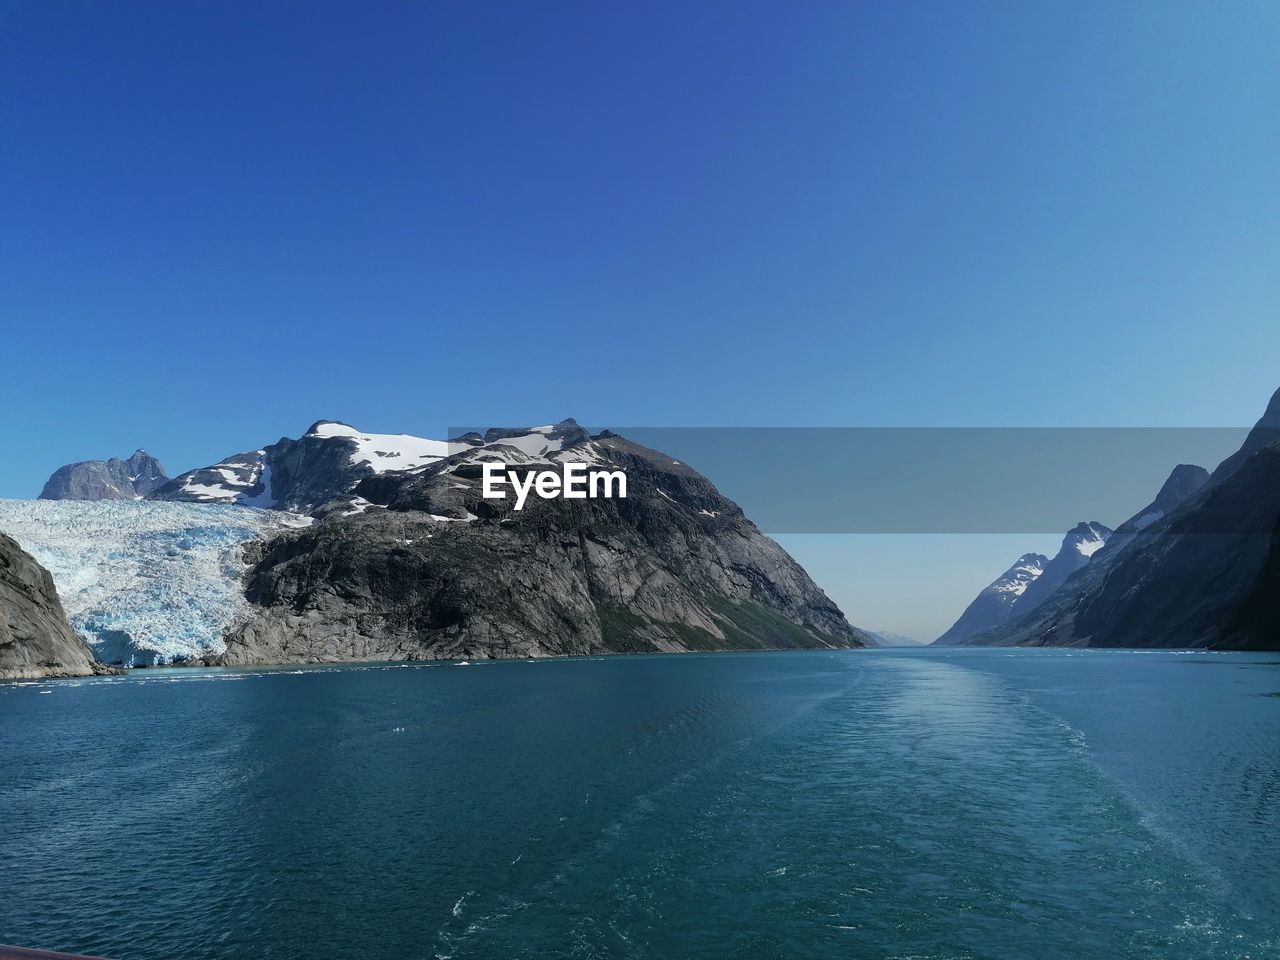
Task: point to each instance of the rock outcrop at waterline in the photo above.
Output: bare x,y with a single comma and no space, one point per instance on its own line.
437,571
35,638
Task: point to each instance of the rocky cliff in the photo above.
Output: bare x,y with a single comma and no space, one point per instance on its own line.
437,571
1204,573
35,638
113,479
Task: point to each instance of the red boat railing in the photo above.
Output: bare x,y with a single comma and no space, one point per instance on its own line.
21,953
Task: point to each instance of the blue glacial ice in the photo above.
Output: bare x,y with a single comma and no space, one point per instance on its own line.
144,582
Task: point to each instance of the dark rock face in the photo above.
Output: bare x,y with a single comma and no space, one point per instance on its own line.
1088,547
442,572
1205,577
1185,480
1204,574
1264,433
113,479
35,638
995,604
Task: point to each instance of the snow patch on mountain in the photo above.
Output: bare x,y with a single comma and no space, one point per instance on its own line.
385,452
235,480
1091,540
143,582
319,472
1015,580
538,442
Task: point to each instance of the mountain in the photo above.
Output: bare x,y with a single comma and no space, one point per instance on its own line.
1078,546
35,638
113,479
995,603
376,546
1087,544
422,566
1205,574
321,470
884,638
1264,433
1185,480
300,475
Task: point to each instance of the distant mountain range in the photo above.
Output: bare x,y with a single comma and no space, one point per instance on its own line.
1197,567
884,638
391,552
403,557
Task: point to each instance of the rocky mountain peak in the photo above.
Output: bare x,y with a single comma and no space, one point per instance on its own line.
1086,538
995,604
113,479
1079,545
1183,481
1264,433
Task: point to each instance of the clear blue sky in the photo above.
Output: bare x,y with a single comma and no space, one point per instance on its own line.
219,222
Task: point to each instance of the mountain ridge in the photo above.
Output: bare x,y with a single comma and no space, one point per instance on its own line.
115,479
1203,574
396,554
431,569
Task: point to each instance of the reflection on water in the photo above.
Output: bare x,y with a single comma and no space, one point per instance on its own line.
918,803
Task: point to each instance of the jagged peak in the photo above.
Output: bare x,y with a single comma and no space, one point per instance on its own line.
1087,537
1184,479
1085,527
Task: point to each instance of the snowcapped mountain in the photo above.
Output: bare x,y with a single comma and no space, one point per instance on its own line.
1205,574
406,559
300,475
141,582
1078,546
1026,584
113,479
532,441
424,566
1082,547
320,471
995,603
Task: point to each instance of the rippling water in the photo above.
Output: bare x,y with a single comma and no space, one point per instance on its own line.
908,804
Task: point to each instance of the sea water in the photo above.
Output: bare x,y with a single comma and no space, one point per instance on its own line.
953,803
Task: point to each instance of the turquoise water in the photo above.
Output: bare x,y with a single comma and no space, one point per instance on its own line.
881,804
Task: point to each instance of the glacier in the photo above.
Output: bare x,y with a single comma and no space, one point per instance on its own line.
144,582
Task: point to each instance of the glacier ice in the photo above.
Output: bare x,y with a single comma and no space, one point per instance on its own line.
143,582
